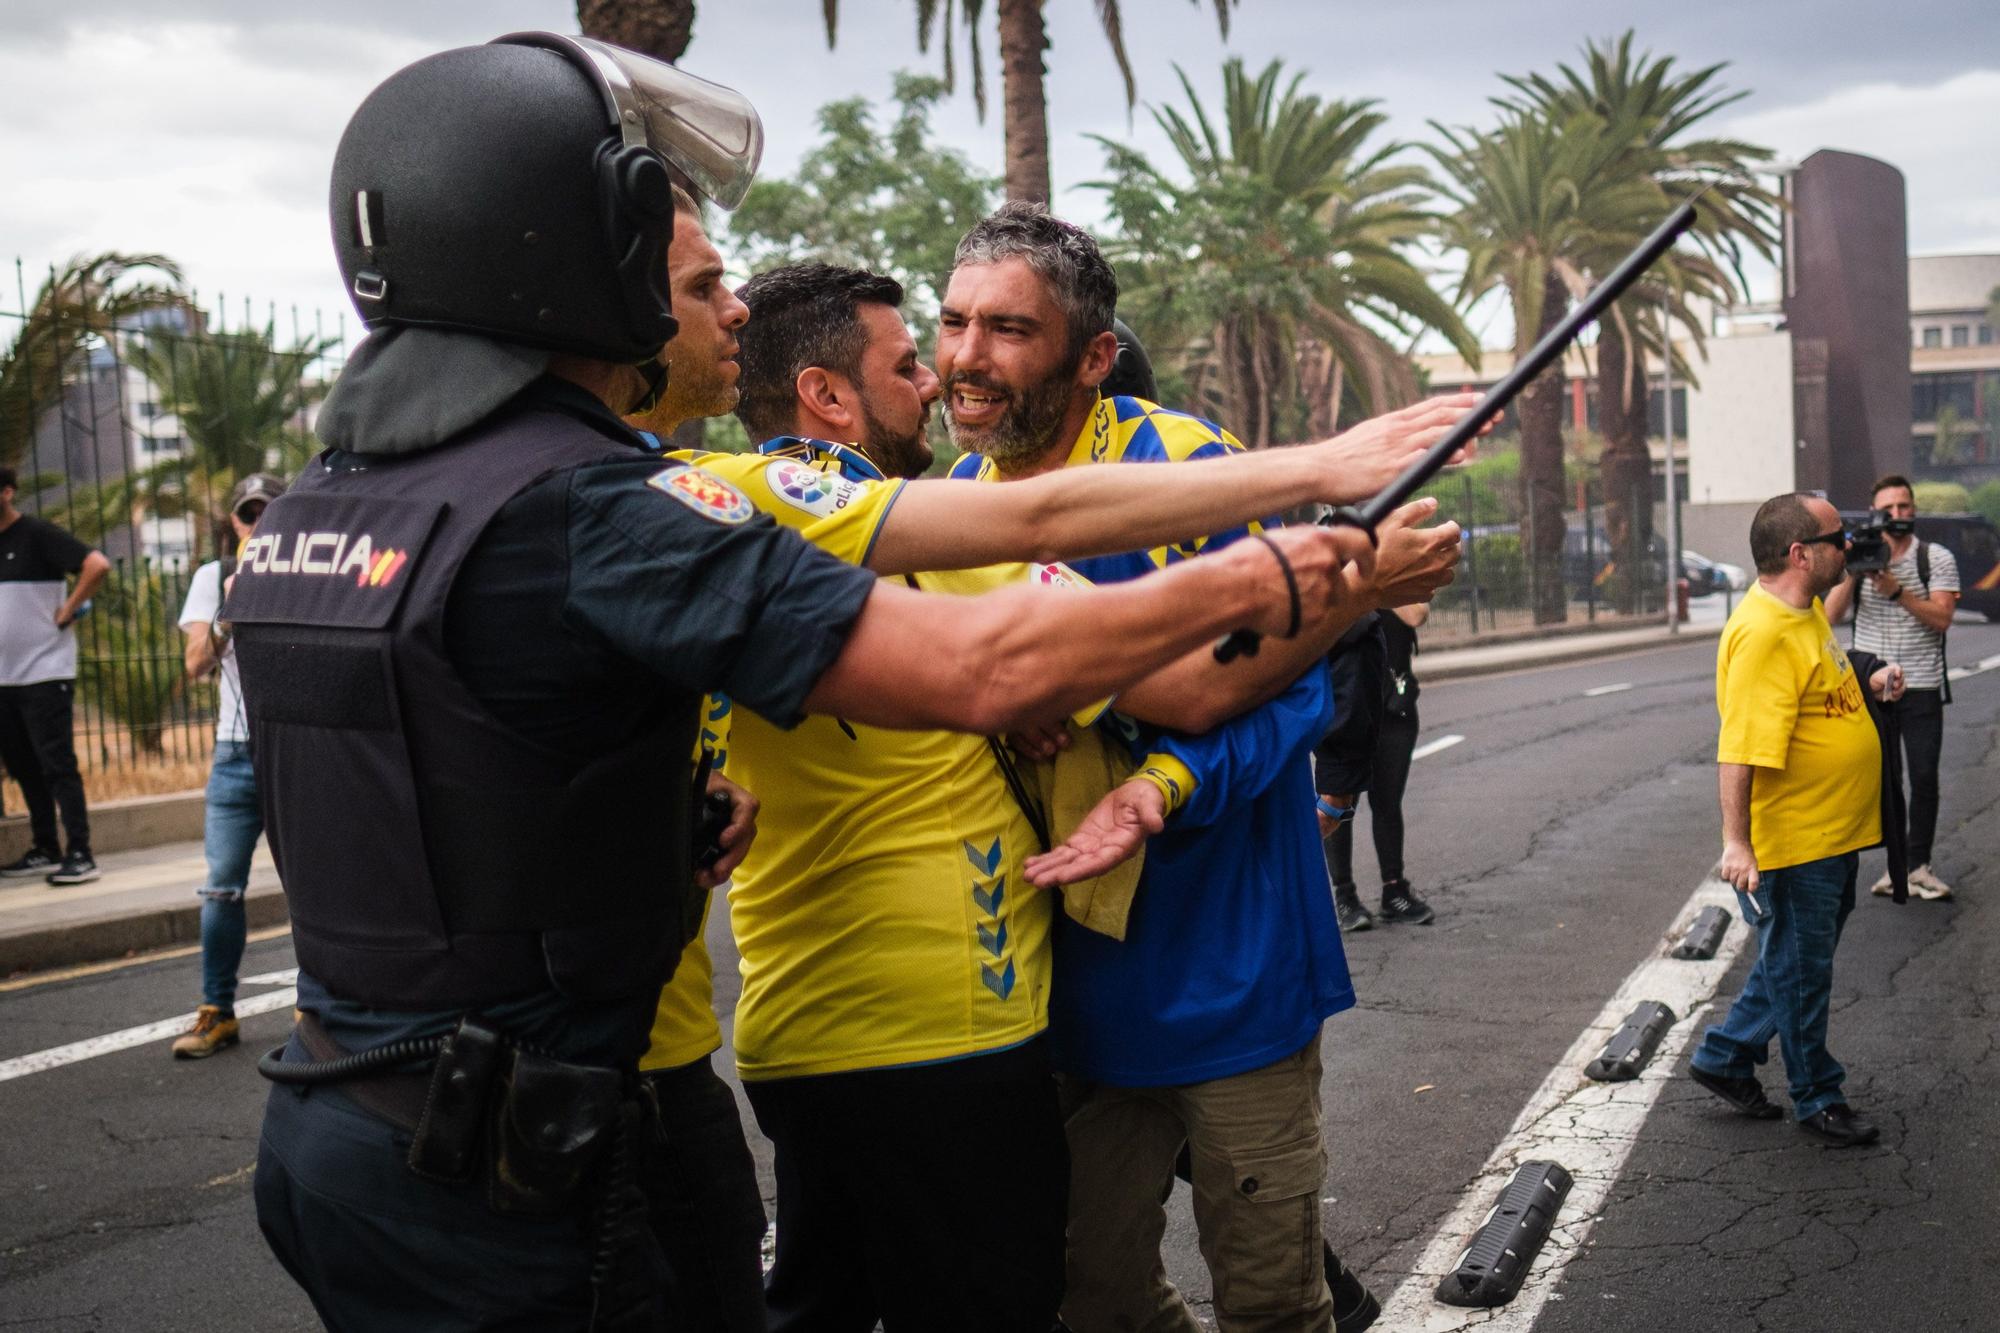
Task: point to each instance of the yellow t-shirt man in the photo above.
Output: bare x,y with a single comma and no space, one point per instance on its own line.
1792,709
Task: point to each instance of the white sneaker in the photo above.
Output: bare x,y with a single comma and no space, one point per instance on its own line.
1882,887
1926,885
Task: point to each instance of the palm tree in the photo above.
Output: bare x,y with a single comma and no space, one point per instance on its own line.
658,28
1537,204
241,402
1023,39
76,309
1736,214
1283,259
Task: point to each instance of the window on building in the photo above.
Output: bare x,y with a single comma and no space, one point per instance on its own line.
1985,335
1934,336
1961,335
1930,394
1656,415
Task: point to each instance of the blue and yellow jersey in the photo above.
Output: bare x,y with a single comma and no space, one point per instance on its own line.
1231,956
1133,430
881,915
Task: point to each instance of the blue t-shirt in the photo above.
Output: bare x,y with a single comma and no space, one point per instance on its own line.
1232,956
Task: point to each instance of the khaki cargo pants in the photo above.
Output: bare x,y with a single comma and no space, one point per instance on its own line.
1259,1163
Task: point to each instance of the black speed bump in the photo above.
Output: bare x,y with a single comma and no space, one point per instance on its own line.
1704,936
1505,1246
1632,1045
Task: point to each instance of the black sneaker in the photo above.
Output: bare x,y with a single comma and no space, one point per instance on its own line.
1838,1125
1354,1306
36,862
1399,905
76,868
1349,912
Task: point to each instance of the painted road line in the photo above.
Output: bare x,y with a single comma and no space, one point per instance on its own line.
1619,688
1430,748
1984,664
1590,1128
58,1056
116,964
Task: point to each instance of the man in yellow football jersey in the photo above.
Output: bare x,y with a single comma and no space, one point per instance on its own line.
895,965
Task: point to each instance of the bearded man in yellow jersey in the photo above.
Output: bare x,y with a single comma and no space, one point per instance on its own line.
895,965
1801,779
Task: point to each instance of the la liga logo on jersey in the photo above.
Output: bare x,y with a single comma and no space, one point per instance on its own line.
328,554
820,494
706,494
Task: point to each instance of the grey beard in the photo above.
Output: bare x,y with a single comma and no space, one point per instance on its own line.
1024,433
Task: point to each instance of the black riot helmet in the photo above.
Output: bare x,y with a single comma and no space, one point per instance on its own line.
1132,373
520,191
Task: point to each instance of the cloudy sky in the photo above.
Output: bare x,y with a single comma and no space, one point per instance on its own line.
205,130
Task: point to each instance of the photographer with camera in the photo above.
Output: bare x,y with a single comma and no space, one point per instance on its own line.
1902,592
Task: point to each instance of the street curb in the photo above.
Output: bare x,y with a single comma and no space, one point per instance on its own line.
116,934
128,825
1577,648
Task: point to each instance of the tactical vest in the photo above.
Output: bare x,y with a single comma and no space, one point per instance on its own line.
411,829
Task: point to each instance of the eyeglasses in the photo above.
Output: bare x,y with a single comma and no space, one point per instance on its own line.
1837,539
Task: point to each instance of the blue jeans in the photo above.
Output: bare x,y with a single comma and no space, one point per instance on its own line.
1790,990
230,827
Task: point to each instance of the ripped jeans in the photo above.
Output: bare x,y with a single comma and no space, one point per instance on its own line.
230,828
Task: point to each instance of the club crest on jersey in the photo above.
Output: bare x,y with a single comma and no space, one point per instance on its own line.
1059,576
336,554
706,494
818,493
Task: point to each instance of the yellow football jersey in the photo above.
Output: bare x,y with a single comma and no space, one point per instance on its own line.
881,916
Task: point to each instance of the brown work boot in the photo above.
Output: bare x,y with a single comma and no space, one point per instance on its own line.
211,1032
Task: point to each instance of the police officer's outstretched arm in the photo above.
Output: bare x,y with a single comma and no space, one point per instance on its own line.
991,663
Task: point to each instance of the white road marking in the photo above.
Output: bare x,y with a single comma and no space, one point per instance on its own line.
89,1048
1984,664
1590,1128
286,977
1429,748
1619,688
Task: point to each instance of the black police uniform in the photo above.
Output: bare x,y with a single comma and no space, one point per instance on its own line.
473,747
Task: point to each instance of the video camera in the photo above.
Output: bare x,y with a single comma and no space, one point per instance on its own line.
1868,544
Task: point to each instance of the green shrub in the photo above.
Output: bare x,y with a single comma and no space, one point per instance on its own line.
1941,497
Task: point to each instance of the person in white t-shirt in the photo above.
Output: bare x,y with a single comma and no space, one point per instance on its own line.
233,820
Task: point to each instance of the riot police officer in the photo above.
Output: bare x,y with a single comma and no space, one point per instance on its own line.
473,638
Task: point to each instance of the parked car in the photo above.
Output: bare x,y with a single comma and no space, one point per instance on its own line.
1735,577
1704,577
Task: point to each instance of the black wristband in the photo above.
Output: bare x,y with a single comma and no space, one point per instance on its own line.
1291,581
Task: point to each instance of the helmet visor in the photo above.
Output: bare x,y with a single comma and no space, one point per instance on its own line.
710,132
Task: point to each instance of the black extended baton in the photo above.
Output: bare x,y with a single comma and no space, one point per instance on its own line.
1245,642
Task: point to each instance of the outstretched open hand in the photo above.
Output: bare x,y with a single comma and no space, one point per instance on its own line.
1115,828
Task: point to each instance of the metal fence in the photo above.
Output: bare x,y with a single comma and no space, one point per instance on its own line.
1612,566
129,409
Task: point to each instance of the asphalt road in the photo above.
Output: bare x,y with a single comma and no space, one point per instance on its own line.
1558,840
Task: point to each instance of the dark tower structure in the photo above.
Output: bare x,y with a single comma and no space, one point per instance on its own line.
1847,303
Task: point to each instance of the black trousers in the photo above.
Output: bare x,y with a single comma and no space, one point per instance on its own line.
931,1197
1395,740
1921,714
38,749
707,1214
380,1250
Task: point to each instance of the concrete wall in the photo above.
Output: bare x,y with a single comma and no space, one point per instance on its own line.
1721,531
1740,432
